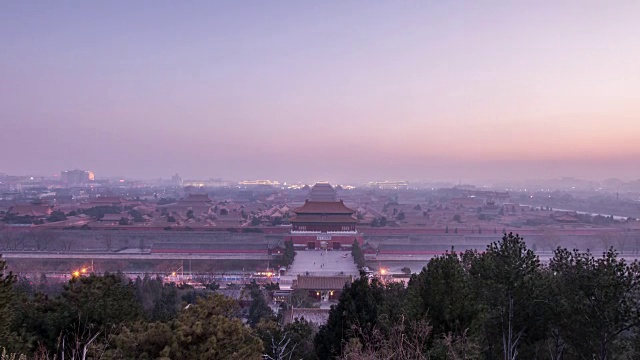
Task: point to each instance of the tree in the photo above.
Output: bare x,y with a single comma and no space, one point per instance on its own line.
300,299
442,291
597,302
271,286
259,309
289,253
358,255
255,221
365,308
42,238
406,341
276,344
159,301
508,282
190,214
400,216
457,218
97,212
276,221
358,306
103,300
57,216
7,297
136,215
301,333
292,341
165,201
208,329
88,307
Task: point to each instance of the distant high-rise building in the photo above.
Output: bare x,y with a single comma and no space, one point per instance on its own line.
176,180
76,177
322,191
390,184
259,183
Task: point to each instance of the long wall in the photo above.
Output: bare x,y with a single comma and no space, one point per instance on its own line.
38,239
116,240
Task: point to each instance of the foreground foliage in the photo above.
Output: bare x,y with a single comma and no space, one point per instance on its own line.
209,329
502,303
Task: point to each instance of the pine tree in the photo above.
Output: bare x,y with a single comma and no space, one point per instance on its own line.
7,296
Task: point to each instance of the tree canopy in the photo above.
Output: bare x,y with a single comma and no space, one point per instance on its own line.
501,303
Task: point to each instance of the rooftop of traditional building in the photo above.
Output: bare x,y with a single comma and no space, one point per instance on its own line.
304,218
322,282
197,198
323,207
322,191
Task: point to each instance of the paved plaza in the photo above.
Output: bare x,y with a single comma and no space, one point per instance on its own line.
319,263
323,263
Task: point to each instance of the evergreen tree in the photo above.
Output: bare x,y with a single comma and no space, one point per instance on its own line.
7,298
208,329
596,302
442,292
259,309
365,308
358,255
507,280
289,253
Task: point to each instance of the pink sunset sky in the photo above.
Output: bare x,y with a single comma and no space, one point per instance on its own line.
340,90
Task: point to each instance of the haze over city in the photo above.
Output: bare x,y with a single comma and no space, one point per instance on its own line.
344,91
319,180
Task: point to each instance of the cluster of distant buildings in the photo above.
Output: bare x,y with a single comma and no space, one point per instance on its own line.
276,207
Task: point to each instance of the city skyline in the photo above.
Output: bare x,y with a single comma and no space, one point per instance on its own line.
336,91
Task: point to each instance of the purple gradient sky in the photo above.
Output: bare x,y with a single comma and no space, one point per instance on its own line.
321,90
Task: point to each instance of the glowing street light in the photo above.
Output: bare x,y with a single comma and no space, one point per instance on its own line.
383,271
175,272
76,273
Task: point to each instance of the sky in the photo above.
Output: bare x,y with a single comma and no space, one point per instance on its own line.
321,90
